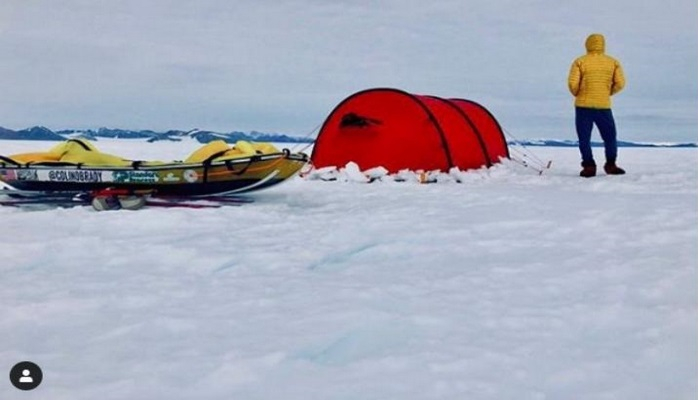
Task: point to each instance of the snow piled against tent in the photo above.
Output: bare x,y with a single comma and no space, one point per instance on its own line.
352,173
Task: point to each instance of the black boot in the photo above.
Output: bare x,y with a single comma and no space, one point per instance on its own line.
588,169
612,169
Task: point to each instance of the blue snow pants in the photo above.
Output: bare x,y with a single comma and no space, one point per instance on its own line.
585,118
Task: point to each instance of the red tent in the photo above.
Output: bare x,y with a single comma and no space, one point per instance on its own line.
398,130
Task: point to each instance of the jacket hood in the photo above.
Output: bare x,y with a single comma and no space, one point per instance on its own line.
595,43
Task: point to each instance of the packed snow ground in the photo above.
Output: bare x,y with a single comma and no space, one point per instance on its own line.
511,285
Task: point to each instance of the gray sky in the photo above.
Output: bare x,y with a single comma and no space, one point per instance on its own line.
283,65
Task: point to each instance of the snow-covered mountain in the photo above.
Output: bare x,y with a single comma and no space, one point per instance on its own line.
202,136
573,143
35,133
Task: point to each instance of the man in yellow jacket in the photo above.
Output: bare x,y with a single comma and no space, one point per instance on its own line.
594,78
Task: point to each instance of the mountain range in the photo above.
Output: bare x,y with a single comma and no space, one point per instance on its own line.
203,136
574,143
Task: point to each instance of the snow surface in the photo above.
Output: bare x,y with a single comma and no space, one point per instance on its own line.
510,285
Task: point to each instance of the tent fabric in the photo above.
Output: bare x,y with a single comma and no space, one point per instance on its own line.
398,130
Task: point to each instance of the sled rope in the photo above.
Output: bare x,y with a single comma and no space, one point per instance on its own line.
249,168
312,133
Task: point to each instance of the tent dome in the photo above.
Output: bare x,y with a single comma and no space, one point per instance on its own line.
398,130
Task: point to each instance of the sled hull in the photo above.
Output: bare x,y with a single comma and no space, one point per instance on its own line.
229,176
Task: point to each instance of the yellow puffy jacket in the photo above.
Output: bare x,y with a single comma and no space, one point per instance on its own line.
595,76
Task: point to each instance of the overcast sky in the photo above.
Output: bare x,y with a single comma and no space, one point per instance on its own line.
283,65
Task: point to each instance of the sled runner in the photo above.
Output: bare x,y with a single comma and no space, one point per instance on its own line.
114,199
